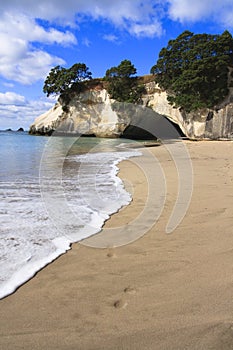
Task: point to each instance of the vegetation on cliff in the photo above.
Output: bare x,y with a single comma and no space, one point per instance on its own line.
122,84
194,69
60,80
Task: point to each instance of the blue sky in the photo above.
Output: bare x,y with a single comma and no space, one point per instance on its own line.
35,36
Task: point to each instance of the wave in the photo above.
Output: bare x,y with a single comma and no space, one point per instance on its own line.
33,235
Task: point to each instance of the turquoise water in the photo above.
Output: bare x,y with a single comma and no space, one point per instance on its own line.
54,191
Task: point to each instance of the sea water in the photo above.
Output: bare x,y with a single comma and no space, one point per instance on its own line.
54,191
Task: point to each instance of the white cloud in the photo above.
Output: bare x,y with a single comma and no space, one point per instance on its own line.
8,85
110,37
123,14
86,42
8,98
28,66
14,114
220,11
26,29
20,60
146,30
23,54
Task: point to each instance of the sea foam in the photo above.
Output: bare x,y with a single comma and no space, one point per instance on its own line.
32,235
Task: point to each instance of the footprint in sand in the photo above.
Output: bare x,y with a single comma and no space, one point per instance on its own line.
120,304
130,290
111,255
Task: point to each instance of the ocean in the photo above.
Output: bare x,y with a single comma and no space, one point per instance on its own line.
54,191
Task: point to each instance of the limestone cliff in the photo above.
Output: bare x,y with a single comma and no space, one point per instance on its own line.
202,124
87,113
92,112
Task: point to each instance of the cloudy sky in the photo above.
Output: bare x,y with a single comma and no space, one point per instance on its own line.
35,36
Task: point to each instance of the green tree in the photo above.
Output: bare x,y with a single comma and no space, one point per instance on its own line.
194,69
60,80
122,84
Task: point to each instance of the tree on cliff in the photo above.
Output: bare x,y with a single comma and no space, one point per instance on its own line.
60,80
194,69
122,84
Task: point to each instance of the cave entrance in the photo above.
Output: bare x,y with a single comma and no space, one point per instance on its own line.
135,133
178,129
162,124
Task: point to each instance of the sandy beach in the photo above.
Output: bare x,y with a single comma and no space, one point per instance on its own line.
162,291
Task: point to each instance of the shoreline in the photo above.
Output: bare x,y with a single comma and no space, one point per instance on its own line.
159,292
63,243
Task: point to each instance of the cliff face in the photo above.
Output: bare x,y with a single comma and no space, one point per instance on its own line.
93,113
202,124
88,113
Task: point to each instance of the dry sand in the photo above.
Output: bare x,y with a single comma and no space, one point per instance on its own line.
160,292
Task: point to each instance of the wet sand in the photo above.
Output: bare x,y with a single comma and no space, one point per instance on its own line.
162,291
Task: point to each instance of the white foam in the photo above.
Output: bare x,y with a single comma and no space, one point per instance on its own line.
30,268
30,238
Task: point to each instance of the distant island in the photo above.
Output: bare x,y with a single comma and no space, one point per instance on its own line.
10,130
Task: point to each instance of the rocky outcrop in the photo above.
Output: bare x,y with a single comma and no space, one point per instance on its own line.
92,112
88,113
202,124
